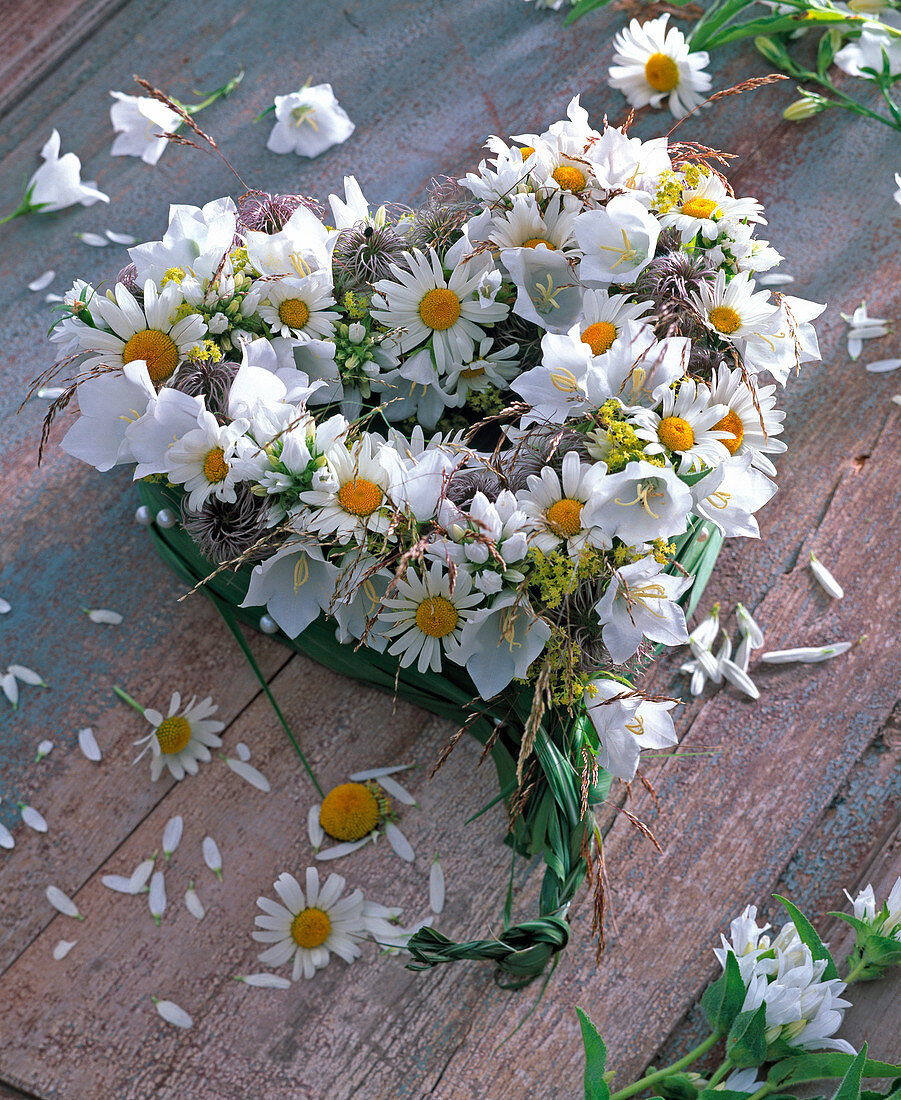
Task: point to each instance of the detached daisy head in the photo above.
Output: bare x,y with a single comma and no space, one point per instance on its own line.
735,311
299,307
653,64
310,924
141,331
179,741
687,426
354,813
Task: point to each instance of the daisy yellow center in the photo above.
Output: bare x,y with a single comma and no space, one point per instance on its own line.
700,208
661,72
158,351
472,372
173,734
599,337
569,178
676,433
731,423
436,616
359,496
310,928
349,812
566,516
725,319
215,468
534,242
526,151
293,312
439,309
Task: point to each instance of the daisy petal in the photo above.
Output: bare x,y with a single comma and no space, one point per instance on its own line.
42,281
193,903
172,835
377,773
33,819
63,948
173,1013
87,742
62,902
340,850
102,615
212,856
436,886
249,773
883,366
396,790
264,981
314,828
399,842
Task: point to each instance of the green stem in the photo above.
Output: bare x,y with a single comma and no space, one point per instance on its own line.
764,1090
659,1074
720,1073
220,93
126,698
855,971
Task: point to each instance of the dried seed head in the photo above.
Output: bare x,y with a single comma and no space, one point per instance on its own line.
364,254
208,379
226,531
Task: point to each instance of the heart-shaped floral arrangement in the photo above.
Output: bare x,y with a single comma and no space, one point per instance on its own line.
475,452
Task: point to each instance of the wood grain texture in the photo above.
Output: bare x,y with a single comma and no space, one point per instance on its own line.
799,794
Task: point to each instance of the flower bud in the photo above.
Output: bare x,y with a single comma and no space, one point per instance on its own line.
802,108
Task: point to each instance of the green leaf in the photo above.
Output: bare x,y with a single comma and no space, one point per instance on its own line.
849,1089
722,1001
679,1086
820,1064
583,8
809,936
722,1094
882,950
746,1042
595,1060
829,44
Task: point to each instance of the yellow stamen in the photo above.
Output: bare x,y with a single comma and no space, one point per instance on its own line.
724,319
158,351
700,208
436,616
599,337
359,496
564,380
173,734
293,312
676,433
731,423
349,812
661,72
534,242
215,468
472,372
565,516
439,309
569,178
310,928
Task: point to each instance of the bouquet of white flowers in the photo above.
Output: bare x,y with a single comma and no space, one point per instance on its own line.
481,453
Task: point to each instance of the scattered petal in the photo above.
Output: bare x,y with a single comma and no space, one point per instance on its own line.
53,298
87,742
242,751
93,239
743,653
212,856
398,842
6,837
141,874
32,818
63,948
173,1014
825,578
773,278
396,790
314,828
436,886
52,392
120,883
120,238
344,849
806,655
264,981
193,903
883,366
739,678
156,899
377,773
44,749
27,675
896,399
249,773
62,902
5,606
698,680
172,835
101,615
10,688
748,627
42,281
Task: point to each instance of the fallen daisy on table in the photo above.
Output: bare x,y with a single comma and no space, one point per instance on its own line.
825,578
178,741
102,615
172,1013
62,902
354,813
863,327
805,655
310,925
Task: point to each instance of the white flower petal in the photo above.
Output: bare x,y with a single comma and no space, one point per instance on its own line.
399,842
42,281
6,838
120,238
772,278
172,834
825,578
62,902
173,1014
883,366
242,751
63,948
121,884
33,819
248,772
102,615
436,886
396,790
27,675
739,678
5,606
156,899
806,654
376,773
193,903
748,626
51,392
87,742
93,239
44,749
141,874
212,856
10,687
264,981
340,850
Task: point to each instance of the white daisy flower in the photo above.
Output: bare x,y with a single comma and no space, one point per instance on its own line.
424,304
735,312
32,818
212,856
308,122
525,226
172,835
686,427
140,331
193,903
62,902
487,368
354,813
349,495
427,617
603,320
298,307
179,741
653,63
172,1013
310,924
63,948
708,209
554,506
210,460
87,742
752,421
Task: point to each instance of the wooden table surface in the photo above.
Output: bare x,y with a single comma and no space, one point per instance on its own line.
800,795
